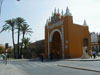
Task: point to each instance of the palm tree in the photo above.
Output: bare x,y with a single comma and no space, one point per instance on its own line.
19,22
26,43
10,25
25,31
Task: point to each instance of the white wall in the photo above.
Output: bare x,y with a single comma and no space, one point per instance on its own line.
94,37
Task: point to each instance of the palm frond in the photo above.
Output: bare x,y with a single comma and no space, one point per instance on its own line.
26,30
9,25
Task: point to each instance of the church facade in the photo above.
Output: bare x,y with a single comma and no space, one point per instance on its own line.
66,39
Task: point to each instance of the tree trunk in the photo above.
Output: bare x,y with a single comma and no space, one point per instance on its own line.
18,41
13,42
25,51
22,44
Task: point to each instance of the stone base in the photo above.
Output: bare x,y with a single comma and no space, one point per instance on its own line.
85,56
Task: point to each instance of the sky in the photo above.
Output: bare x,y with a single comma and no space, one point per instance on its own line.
36,12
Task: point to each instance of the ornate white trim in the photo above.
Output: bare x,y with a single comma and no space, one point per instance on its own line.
51,34
63,52
62,39
56,24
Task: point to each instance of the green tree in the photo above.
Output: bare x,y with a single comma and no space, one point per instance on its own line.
2,49
25,31
26,42
19,22
10,25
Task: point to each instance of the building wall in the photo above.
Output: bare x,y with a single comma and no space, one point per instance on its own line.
74,36
94,37
94,41
46,42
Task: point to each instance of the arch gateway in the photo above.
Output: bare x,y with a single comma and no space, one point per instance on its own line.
66,39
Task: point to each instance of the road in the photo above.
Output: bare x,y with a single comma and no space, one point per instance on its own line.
21,67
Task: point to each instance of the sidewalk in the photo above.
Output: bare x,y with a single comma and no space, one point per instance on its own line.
89,59
10,70
82,64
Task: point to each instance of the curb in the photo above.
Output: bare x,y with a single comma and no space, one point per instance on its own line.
79,68
83,60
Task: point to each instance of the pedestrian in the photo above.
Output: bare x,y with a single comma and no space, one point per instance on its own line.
3,57
94,54
6,58
42,57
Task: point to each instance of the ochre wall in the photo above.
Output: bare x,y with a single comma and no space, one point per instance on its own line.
46,42
75,34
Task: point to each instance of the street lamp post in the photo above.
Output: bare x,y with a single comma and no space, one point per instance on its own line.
1,1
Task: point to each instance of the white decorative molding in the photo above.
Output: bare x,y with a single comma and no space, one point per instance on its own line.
56,24
51,34
62,39
63,52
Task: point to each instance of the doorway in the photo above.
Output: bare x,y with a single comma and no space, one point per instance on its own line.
56,46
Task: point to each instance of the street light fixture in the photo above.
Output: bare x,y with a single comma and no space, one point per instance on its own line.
1,1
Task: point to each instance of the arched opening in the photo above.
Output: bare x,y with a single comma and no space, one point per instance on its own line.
56,45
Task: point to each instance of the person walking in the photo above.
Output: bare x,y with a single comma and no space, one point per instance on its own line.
94,54
42,57
4,58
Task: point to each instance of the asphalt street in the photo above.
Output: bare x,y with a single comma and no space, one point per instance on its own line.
23,67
